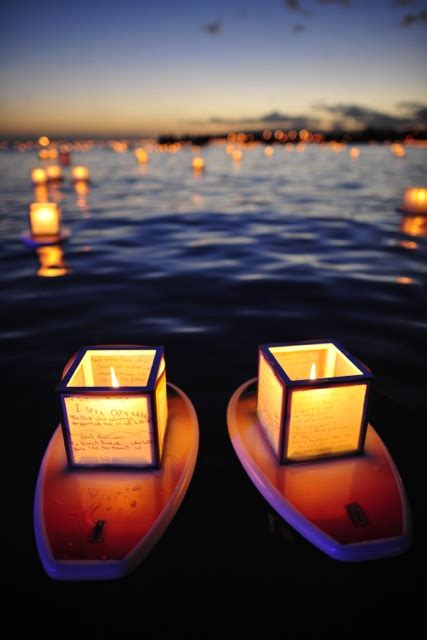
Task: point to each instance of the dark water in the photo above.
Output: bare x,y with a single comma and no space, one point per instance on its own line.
297,246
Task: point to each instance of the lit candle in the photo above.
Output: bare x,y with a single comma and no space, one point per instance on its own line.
312,400
38,176
415,200
45,219
114,407
80,173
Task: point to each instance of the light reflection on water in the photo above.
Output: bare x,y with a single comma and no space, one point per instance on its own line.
285,247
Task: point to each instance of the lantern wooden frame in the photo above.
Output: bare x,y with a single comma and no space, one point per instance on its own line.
149,390
289,386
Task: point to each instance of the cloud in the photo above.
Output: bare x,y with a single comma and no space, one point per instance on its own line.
410,19
298,28
295,5
271,119
348,116
213,28
341,117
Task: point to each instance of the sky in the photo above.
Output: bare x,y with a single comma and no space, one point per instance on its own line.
183,66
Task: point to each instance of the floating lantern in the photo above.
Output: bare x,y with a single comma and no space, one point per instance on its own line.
80,173
268,151
48,154
354,153
44,141
398,150
45,220
54,173
38,176
415,200
114,407
198,164
312,400
52,263
141,155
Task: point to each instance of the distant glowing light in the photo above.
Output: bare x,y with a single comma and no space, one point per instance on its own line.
44,141
141,155
198,163
45,219
415,200
38,176
354,153
237,155
80,173
268,151
267,134
54,172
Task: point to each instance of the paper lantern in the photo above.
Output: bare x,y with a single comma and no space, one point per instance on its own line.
38,176
114,407
141,155
312,400
415,200
52,263
45,219
80,173
198,163
54,173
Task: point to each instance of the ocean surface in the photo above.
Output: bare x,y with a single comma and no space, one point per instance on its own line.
282,248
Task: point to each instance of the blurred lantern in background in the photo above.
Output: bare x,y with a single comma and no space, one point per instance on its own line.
141,155
415,200
54,173
198,164
45,220
38,176
80,174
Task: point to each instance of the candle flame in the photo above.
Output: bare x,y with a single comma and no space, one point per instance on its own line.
114,382
313,372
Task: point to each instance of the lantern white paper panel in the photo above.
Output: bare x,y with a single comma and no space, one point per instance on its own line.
110,430
325,421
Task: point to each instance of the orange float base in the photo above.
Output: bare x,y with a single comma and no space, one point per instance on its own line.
352,508
94,525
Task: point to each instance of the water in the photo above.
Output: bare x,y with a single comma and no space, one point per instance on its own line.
292,247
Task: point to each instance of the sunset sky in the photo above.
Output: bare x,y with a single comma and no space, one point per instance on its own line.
122,68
